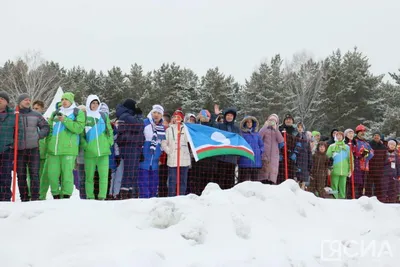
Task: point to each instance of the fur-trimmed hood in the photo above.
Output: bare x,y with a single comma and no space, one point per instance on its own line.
255,126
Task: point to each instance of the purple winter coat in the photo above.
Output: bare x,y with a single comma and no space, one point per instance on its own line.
273,140
253,138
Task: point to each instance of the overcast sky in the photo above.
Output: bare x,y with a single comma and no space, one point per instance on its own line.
235,35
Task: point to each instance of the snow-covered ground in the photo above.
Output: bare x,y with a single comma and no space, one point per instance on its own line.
249,225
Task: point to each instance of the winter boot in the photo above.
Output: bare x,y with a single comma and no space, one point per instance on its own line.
125,194
66,196
56,197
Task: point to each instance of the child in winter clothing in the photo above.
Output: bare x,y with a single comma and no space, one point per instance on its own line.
96,142
63,145
170,146
248,169
341,154
319,171
391,181
154,133
316,137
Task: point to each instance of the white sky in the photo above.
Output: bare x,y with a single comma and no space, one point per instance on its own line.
235,35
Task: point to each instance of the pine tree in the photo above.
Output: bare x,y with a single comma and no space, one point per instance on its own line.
263,94
140,87
217,89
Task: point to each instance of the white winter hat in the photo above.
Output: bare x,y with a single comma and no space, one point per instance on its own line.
157,108
392,142
348,131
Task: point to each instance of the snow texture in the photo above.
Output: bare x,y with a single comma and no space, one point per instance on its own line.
250,225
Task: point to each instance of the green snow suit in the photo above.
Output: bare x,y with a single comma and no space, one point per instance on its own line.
96,141
62,149
340,152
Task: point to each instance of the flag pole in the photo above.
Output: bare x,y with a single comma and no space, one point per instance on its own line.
178,161
14,178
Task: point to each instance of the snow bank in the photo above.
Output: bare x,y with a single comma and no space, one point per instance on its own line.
249,225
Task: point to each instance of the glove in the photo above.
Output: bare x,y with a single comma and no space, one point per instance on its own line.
293,157
280,145
280,157
118,160
138,111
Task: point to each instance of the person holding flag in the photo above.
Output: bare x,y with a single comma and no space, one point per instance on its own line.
171,145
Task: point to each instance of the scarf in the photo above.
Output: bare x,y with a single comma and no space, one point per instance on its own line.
68,111
339,146
158,132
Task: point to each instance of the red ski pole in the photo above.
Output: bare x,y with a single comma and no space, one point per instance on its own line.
285,155
178,161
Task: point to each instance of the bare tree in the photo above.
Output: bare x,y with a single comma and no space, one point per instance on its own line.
33,75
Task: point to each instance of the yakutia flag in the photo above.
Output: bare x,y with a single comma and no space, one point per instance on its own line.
207,142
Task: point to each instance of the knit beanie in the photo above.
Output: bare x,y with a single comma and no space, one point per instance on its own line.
104,108
348,131
157,108
4,95
392,142
22,97
130,104
179,113
315,133
274,117
69,96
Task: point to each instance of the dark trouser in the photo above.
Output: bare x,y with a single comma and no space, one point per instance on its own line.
6,159
248,174
28,158
390,189
163,180
172,180
131,156
359,180
373,183
224,174
81,174
200,175
317,185
148,183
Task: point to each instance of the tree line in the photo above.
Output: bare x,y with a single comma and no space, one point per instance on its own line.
339,91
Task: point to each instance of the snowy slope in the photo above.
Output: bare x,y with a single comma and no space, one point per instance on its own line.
249,225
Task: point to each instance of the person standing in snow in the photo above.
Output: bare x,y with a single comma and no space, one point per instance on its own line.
7,128
341,154
363,155
373,183
249,169
391,181
203,169
170,146
224,172
96,141
349,140
130,142
291,133
316,137
163,167
66,125
319,171
34,128
38,106
303,158
273,142
154,133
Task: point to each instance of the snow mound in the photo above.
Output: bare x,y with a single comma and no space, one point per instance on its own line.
249,225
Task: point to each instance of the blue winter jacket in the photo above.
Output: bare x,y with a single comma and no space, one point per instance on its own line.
150,158
254,139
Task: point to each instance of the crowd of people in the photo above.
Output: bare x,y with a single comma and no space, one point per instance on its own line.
137,156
